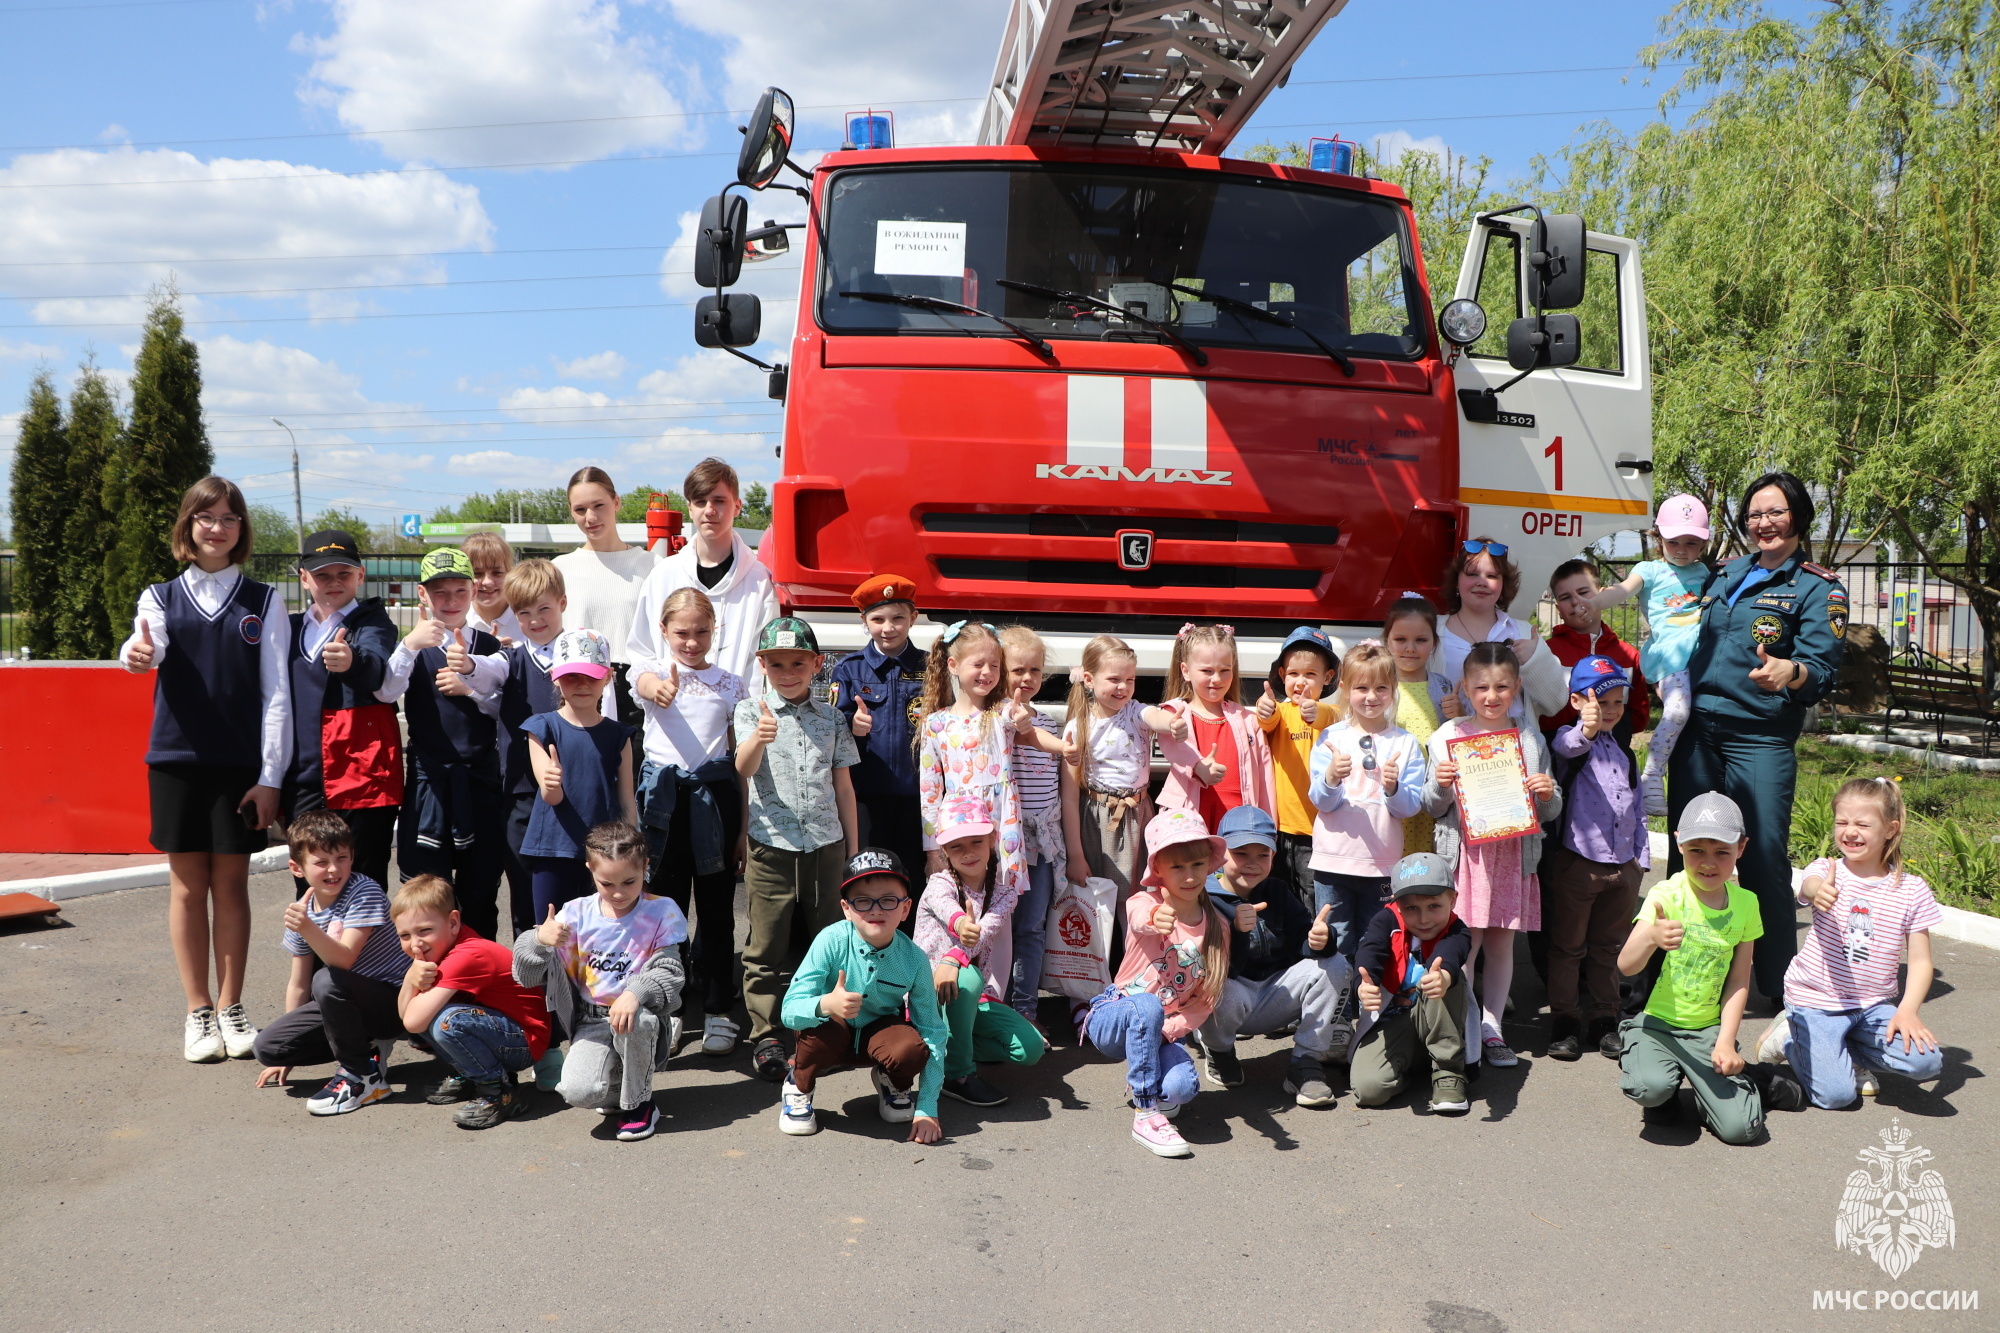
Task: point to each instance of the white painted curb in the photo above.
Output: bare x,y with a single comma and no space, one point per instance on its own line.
1953,763
61,888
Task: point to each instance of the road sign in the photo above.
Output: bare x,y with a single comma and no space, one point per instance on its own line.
413,525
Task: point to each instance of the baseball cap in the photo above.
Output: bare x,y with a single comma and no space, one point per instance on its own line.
331,547
1171,828
1682,516
884,588
786,634
873,861
1711,815
1595,675
1420,873
1309,636
580,652
1247,826
966,818
446,562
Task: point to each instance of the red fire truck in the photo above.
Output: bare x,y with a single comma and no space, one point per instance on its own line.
1090,374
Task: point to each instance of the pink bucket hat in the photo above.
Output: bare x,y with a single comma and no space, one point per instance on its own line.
963,819
1171,828
1682,516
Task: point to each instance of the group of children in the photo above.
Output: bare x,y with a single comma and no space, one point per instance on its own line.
1305,870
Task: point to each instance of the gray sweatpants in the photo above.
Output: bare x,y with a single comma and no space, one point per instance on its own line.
1312,990
606,1069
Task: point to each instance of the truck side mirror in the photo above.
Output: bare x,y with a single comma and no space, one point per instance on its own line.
732,320
767,140
1556,264
718,249
1538,341
767,242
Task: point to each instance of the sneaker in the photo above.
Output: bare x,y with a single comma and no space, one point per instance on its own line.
348,1091
768,1060
1306,1081
202,1041
1224,1069
1781,1091
674,1030
1870,1085
548,1070
1339,1041
897,1106
491,1103
1152,1131
450,1090
718,1035
1771,1046
638,1124
1654,787
795,1110
238,1037
1448,1094
973,1091
1496,1052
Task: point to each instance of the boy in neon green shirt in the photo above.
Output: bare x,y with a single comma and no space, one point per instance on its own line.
1706,925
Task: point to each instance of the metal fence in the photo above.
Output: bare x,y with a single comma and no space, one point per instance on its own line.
393,578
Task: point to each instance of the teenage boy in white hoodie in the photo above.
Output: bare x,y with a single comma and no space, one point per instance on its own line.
722,565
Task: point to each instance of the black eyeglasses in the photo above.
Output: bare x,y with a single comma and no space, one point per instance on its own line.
1367,751
876,904
1496,549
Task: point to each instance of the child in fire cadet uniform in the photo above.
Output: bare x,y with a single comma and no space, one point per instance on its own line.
876,690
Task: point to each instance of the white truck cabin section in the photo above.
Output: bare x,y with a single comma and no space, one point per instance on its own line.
1546,480
1182,76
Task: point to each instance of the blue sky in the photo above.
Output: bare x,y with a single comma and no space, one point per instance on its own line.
457,309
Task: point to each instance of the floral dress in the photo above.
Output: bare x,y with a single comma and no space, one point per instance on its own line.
1416,715
970,756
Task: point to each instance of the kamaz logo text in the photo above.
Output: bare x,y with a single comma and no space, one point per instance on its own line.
1106,472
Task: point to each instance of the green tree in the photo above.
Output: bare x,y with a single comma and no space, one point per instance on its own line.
756,507
163,451
83,620
41,498
371,539
272,530
546,505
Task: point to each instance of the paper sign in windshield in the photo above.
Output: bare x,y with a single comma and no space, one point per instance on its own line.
920,249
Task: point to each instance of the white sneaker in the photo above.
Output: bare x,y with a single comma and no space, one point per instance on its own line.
795,1110
201,1040
348,1092
1496,1052
238,1037
673,1036
718,1035
1869,1085
898,1108
1771,1046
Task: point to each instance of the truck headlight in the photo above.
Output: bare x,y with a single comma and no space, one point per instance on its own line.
1462,322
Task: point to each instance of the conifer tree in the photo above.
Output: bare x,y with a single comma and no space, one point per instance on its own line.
163,451
83,621
40,498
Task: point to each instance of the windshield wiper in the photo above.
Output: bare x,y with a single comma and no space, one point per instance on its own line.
954,307
1269,317
1079,298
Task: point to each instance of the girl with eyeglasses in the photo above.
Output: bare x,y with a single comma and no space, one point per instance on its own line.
1480,583
220,746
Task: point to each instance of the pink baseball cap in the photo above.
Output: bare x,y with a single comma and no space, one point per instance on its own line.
1682,516
580,652
1171,828
963,819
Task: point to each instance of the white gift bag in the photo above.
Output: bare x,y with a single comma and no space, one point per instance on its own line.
1077,943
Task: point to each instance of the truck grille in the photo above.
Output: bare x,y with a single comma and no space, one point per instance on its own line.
1108,573
1165,527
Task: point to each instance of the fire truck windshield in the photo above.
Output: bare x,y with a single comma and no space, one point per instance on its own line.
1145,241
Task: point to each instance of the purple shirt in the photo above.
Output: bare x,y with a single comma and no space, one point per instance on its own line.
1606,821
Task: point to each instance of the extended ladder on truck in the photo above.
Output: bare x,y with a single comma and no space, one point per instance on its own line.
1182,76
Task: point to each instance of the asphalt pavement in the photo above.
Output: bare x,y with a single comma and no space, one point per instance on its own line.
139,1192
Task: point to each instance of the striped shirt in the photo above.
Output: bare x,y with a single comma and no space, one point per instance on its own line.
1036,774
360,903
1849,956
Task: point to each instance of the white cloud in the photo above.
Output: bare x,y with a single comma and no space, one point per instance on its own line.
394,65
262,379
775,282
56,209
13,351
704,377
1392,146
558,404
830,55
598,366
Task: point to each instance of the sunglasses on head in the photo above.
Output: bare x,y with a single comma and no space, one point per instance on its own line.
1498,550
888,904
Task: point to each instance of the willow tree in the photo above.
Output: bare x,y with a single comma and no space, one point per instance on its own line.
1822,251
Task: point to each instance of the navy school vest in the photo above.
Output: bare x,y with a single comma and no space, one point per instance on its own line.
447,729
208,698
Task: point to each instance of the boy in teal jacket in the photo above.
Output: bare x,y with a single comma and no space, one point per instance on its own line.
847,1002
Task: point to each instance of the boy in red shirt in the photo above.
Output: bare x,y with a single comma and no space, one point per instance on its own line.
1582,634
460,993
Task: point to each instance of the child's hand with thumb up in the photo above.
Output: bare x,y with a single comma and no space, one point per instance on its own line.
1368,994
1435,981
1211,770
864,721
139,657
840,1002
553,931
1246,916
1267,703
338,654
1321,933
767,724
1667,932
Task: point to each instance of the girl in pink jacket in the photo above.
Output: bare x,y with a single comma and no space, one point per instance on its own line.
1217,750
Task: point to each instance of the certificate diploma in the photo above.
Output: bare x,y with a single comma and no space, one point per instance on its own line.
1493,801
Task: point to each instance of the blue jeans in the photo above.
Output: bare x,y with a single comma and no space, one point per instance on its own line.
1031,918
1356,899
480,1043
1127,1027
1825,1044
